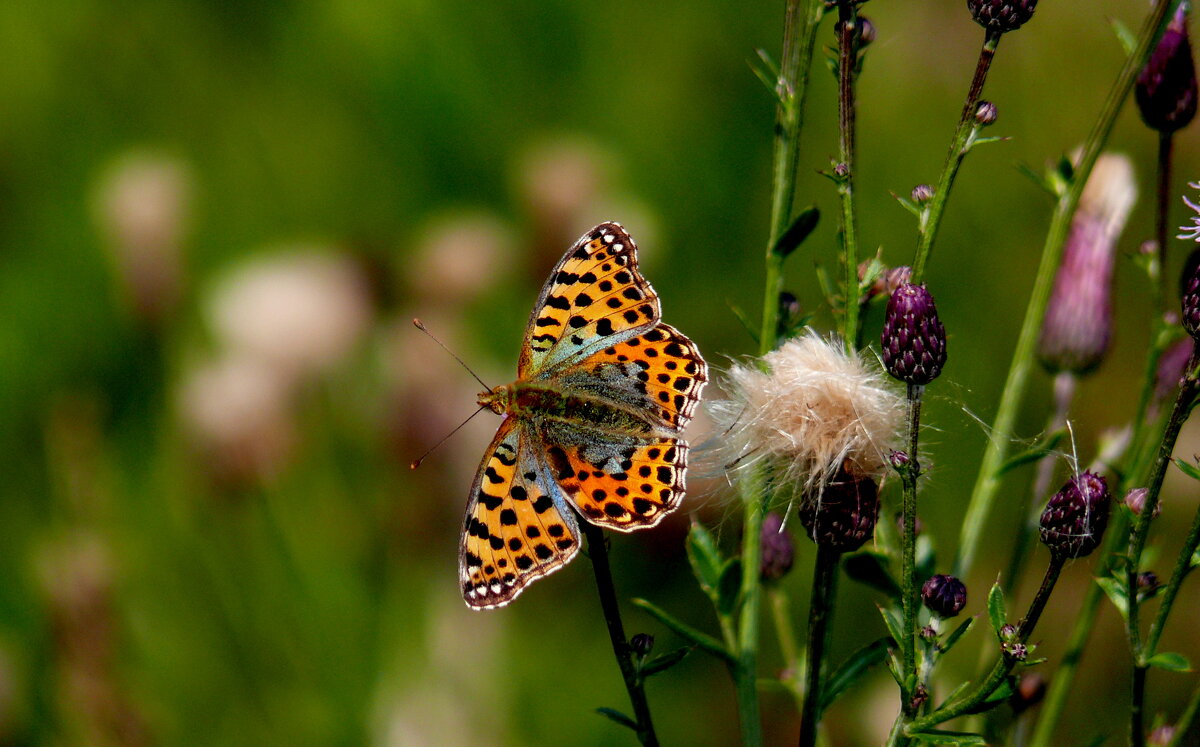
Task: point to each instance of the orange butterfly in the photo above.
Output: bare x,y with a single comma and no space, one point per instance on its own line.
591,425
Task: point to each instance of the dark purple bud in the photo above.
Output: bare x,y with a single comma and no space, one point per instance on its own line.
642,644
1171,368
1147,584
1001,15
1075,518
898,458
922,193
1077,327
1008,632
778,550
1030,691
1166,87
842,516
1189,286
866,31
986,114
1015,650
1135,499
944,596
913,340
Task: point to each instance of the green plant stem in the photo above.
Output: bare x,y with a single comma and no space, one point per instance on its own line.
847,64
598,552
1161,213
1004,664
1183,566
820,614
909,588
931,219
987,482
799,38
781,614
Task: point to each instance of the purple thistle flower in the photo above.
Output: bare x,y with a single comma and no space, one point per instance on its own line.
1001,15
1189,291
1076,516
944,596
1077,328
1166,87
913,340
842,516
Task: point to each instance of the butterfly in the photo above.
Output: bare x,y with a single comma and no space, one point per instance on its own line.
591,427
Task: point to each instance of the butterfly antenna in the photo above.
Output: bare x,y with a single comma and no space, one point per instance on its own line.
421,326
417,462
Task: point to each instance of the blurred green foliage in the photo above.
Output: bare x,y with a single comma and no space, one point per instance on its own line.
161,588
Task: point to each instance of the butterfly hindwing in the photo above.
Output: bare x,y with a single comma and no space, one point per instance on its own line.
624,485
595,296
515,530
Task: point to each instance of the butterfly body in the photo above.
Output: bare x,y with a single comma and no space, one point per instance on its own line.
591,427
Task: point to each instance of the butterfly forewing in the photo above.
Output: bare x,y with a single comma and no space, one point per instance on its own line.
517,527
595,296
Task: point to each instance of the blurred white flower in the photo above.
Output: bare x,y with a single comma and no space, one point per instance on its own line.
302,311
458,256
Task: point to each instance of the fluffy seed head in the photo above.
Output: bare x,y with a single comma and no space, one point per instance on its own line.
944,596
913,340
1166,89
1001,15
810,410
1075,518
842,514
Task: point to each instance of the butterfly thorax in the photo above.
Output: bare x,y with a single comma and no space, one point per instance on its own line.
542,400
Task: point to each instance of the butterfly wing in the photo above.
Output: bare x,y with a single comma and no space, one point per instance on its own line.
594,297
518,527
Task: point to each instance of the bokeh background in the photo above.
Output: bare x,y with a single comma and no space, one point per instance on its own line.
217,220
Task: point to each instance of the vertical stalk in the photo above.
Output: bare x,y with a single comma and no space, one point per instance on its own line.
987,483
598,552
1161,213
909,474
824,591
959,145
847,63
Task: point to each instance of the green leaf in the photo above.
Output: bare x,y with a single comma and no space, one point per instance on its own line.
1117,593
663,662
705,642
1170,661
1039,450
871,568
949,737
745,320
802,225
619,717
766,71
962,686
1195,558
853,669
1037,178
996,697
892,619
1125,36
1188,469
705,558
958,633
909,205
997,609
729,587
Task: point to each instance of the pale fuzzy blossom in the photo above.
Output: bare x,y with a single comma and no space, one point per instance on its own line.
813,410
301,311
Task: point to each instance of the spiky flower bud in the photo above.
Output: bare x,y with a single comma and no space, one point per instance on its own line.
1001,15
1077,327
1135,499
641,644
986,114
944,596
914,340
1166,88
842,516
922,193
1076,516
778,550
1189,286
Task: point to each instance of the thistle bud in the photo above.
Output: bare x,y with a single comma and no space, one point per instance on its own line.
641,644
922,193
778,551
842,516
986,114
1135,499
866,31
1077,327
914,340
1001,15
1166,88
1189,286
1076,516
944,596
1147,584
1172,366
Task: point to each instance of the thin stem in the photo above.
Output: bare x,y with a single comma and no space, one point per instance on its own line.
1137,731
820,613
598,551
909,474
1161,213
1183,566
781,614
1184,724
1004,664
847,63
959,145
987,482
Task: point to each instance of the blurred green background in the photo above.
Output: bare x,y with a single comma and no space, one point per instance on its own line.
216,222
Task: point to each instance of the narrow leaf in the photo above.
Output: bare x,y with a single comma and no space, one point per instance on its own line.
665,661
958,633
908,205
1126,37
871,568
891,618
619,717
705,558
702,640
853,669
1195,558
1117,593
802,225
745,320
1187,468
1171,662
1039,450
997,609
949,737
1037,178
729,587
